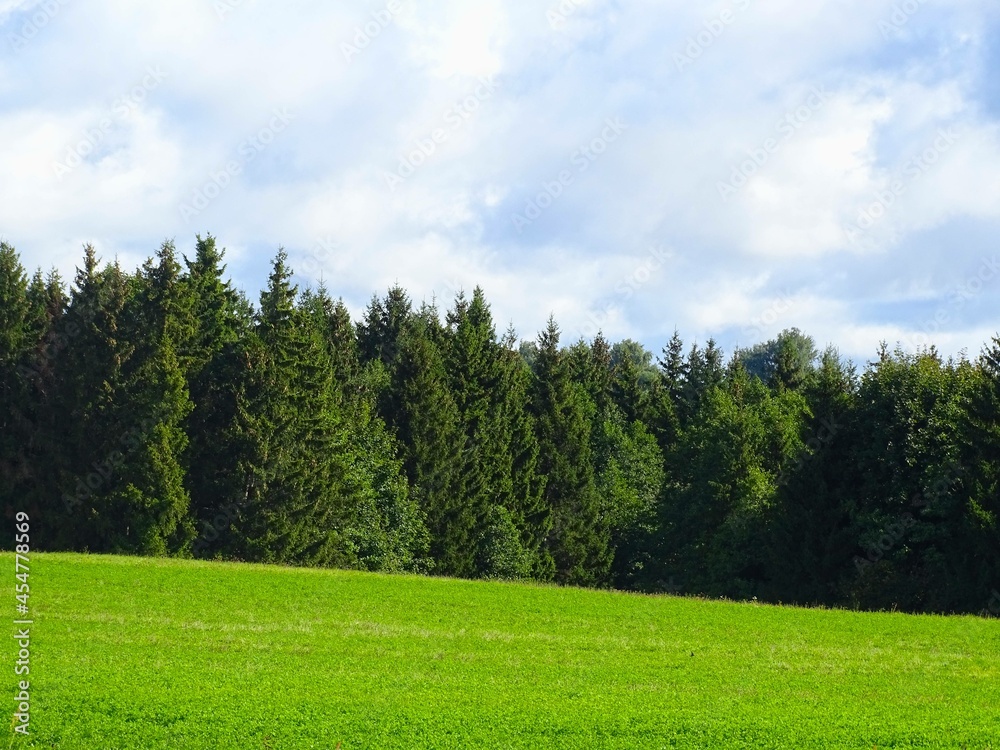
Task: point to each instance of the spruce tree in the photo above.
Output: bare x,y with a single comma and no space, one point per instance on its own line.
809,539
100,431
18,413
295,463
216,375
385,529
489,387
981,457
578,540
149,495
529,510
428,425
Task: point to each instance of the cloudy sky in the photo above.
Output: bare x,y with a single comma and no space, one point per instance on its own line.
729,169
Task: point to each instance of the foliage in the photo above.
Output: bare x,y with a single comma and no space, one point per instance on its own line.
158,412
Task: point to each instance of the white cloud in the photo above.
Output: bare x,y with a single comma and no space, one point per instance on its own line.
449,223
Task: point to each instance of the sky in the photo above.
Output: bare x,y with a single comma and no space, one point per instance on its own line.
729,170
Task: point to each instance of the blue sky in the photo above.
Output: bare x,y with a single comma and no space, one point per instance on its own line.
729,169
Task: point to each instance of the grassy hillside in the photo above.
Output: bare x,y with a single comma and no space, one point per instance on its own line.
139,653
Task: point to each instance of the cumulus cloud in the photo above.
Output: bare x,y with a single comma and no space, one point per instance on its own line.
830,166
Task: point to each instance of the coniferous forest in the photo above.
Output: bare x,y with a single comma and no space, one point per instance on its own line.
161,412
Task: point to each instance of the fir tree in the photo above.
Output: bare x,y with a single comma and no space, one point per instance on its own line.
578,538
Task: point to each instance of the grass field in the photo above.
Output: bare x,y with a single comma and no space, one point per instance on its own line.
140,653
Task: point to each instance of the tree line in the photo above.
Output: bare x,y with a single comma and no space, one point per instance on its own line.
160,412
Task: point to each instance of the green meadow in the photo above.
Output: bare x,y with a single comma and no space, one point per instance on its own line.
157,653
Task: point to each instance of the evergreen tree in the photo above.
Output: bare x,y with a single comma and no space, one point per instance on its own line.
724,475
295,462
527,508
100,431
19,336
39,420
909,515
216,375
809,542
385,527
673,367
428,426
578,540
149,499
981,480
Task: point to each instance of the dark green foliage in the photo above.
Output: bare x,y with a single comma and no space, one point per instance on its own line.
578,541
725,469
909,507
981,479
296,466
100,431
629,478
384,527
787,361
490,391
150,499
159,413
500,551
401,350
23,325
429,428
215,376
809,542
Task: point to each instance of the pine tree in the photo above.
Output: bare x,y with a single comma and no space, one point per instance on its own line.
216,375
981,457
380,334
428,425
673,366
18,340
40,421
489,387
100,432
578,538
385,528
294,462
148,495
528,507
809,541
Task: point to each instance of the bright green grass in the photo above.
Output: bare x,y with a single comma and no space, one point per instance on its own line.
140,653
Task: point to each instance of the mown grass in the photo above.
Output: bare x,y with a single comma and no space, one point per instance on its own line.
143,653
